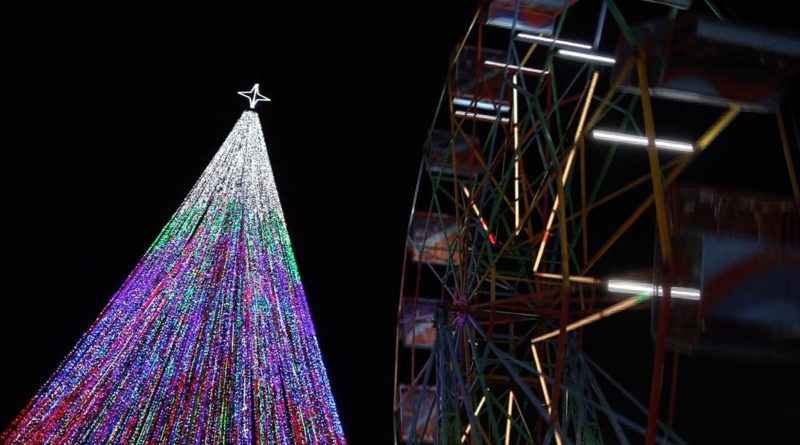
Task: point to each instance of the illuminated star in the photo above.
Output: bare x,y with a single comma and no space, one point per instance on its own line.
253,96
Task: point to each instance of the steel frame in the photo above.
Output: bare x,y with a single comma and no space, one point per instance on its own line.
507,363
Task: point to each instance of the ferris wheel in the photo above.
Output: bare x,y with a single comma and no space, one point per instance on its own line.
548,150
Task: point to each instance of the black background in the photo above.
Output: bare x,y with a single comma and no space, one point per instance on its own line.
108,126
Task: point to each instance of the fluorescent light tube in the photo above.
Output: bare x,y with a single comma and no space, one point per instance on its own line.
480,104
604,60
638,287
523,69
641,141
481,117
548,41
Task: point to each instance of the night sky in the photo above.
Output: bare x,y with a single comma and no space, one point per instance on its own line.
106,132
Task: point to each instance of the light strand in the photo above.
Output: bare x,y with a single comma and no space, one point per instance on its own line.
209,339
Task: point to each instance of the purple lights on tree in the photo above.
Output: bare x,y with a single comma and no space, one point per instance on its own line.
209,340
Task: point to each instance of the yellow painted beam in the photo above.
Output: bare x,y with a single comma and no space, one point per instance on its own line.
611,310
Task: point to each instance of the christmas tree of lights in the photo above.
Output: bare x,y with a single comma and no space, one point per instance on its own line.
209,340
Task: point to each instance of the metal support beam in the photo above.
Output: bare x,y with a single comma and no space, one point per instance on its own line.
611,310
788,154
652,154
666,249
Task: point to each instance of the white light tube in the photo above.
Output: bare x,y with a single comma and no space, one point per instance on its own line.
604,60
480,104
641,141
481,117
523,69
638,287
548,41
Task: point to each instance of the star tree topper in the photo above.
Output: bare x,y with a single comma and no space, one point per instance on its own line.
254,96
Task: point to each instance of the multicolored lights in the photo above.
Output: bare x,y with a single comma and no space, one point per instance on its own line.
209,340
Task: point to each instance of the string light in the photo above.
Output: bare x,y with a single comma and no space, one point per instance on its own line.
209,339
477,211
